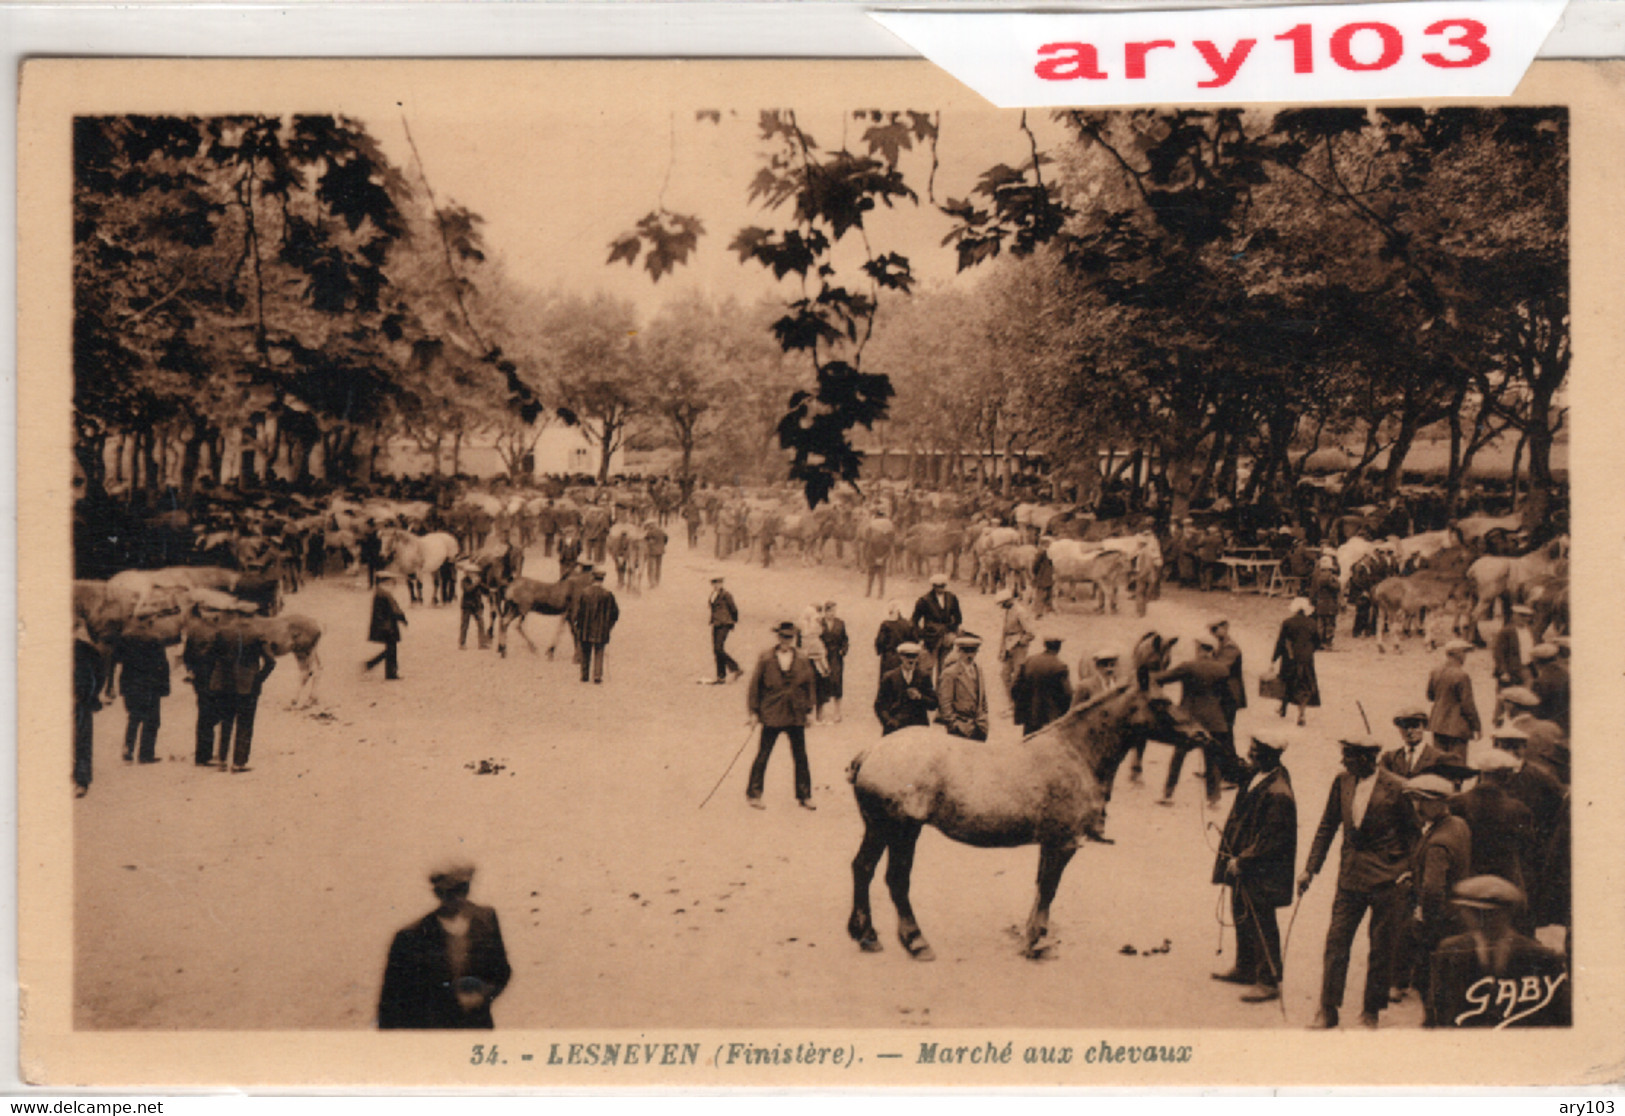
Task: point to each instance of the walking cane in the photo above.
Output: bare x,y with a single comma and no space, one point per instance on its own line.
749,732
1364,718
1286,945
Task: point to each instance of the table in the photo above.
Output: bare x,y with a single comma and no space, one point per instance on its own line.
1265,574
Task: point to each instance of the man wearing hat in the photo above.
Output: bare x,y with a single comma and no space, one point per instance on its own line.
1043,580
782,694
1503,828
1014,639
475,595
1454,719
906,695
446,968
1326,592
1256,856
1510,655
1209,549
242,663
1042,690
937,617
385,628
1493,976
961,694
1442,859
1551,684
724,615
1543,740
1414,755
1227,652
593,617
1204,693
1364,577
1379,830
1547,800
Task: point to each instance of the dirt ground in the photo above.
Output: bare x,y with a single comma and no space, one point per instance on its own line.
267,899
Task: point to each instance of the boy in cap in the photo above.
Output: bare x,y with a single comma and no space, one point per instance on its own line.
724,615
1256,855
1454,719
1470,970
445,969
1042,691
782,694
1414,755
1368,805
906,695
961,694
1443,858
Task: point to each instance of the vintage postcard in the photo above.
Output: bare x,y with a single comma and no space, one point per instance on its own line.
779,574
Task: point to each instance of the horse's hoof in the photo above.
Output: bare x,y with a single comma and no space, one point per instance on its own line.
917,946
872,944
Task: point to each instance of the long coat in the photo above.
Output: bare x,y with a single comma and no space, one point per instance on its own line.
782,698
1042,691
897,707
418,990
936,620
1378,850
1262,835
1455,713
1295,647
892,635
595,614
962,699
387,618
146,668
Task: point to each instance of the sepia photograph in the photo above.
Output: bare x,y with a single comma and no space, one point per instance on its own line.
748,573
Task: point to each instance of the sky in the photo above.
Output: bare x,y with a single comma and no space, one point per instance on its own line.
557,179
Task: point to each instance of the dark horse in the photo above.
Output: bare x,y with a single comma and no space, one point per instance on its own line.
524,596
1049,790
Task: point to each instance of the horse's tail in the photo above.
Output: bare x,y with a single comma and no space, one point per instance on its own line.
853,767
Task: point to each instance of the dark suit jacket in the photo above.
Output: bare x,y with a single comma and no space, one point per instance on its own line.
1507,657
241,664
724,613
418,990
387,618
1378,851
1230,656
1503,832
1204,691
1042,691
1455,713
1551,685
780,698
595,614
1443,858
146,668
1459,999
892,635
934,620
1395,760
1262,834
896,709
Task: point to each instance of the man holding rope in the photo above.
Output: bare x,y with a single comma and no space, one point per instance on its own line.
1256,859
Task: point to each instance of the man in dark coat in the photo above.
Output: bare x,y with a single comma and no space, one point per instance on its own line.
1256,857
1043,580
240,670
1551,685
1295,648
654,551
1492,976
385,627
473,609
445,969
782,694
1379,831
1454,720
937,617
203,647
593,618
906,695
1503,828
1367,573
1228,653
1544,740
145,683
87,685
1510,656
1442,859
894,632
1204,684
1547,799
724,615
1326,592
1042,690
1415,756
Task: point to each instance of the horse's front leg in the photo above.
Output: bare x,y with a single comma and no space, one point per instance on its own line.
1052,861
899,866
861,925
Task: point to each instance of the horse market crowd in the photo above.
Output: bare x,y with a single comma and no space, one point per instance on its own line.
1451,815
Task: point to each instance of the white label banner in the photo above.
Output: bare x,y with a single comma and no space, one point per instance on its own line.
1351,53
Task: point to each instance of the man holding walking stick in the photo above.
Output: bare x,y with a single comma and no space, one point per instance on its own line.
1256,858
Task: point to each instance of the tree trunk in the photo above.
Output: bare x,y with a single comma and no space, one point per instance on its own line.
457,453
1408,429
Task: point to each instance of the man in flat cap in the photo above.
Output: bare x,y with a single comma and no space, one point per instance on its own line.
1492,976
1454,719
1503,828
961,692
386,624
937,618
1414,755
593,617
1256,857
445,969
1204,693
1545,740
782,694
1042,691
906,695
1379,830
724,615
1443,858
1547,800
1551,684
